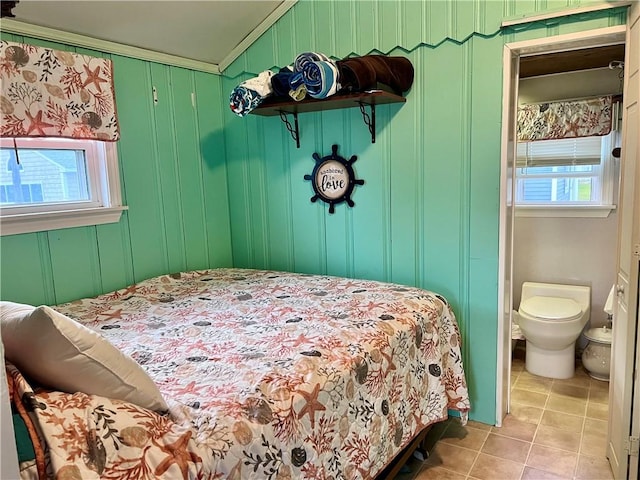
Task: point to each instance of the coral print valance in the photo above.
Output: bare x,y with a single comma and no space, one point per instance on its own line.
579,118
52,93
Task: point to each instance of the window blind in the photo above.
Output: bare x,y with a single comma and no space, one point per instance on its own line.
558,153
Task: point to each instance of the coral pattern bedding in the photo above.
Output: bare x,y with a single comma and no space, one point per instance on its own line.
267,375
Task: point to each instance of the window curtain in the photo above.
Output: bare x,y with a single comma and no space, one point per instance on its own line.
53,93
570,119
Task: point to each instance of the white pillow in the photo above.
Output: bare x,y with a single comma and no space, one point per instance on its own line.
63,354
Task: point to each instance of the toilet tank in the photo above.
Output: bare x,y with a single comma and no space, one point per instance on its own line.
580,294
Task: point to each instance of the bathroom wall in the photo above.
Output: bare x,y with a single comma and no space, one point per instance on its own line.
579,251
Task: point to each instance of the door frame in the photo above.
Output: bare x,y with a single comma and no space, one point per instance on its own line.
512,53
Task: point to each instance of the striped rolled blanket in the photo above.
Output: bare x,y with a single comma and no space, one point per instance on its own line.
321,78
307,57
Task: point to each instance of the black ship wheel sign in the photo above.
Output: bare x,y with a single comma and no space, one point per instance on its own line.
333,179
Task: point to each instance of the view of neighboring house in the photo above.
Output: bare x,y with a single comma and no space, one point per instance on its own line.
41,176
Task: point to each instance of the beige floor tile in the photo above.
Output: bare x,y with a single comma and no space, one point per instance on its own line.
514,428
556,438
580,379
438,473
526,375
563,421
572,406
599,395
567,426
593,468
571,391
599,384
525,413
466,437
535,474
594,444
598,411
558,462
517,365
533,383
526,397
488,467
479,425
507,448
592,425
452,458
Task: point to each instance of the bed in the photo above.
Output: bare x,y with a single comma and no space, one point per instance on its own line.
259,375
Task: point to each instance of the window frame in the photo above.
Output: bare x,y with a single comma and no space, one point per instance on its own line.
105,206
601,208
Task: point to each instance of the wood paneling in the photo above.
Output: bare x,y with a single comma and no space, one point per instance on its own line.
174,182
428,213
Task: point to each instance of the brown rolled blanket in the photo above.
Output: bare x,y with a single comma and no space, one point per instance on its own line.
363,73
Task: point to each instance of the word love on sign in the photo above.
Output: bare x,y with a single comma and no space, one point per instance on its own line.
333,179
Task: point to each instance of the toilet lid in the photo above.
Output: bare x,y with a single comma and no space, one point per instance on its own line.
551,308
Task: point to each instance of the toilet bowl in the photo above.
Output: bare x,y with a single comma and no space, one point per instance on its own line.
596,357
551,317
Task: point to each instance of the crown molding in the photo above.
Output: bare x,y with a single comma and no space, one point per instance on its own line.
266,24
529,18
74,39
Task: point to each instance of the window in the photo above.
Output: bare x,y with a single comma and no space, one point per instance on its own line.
49,183
572,174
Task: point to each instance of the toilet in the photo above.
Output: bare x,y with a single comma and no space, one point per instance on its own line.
551,317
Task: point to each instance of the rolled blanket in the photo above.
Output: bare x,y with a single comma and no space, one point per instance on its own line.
280,82
306,57
260,84
243,100
362,73
321,78
250,93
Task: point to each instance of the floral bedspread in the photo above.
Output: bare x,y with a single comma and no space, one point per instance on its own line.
274,375
78,436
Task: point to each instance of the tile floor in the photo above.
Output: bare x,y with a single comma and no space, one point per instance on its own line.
556,430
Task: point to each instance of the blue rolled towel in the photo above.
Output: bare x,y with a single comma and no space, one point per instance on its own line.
306,57
321,78
280,82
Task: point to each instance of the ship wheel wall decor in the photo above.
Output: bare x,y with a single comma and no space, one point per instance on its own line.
333,179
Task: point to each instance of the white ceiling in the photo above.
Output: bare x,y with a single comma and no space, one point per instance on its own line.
206,30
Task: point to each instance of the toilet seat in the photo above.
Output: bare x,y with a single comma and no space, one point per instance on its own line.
551,308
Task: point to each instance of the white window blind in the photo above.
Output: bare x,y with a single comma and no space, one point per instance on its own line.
558,153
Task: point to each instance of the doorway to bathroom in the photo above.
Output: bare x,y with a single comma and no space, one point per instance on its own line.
565,194
539,246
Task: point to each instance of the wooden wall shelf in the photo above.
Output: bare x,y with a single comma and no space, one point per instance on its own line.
273,107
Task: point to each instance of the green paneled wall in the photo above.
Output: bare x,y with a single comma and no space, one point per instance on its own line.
428,214
174,179
201,183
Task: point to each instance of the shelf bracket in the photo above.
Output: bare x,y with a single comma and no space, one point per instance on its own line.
369,120
294,131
